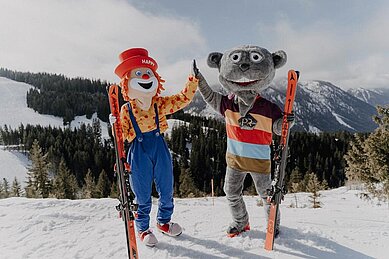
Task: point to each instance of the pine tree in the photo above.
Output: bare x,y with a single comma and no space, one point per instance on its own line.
294,189
368,159
356,159
89,188
16,188
324,185
65,183
114,191
103,187
295,180
38,175
377,149
30,189
1,190
6,189
314,186
187,185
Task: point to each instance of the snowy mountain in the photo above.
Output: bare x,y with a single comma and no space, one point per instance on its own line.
345,227
371,96
322,106
319,106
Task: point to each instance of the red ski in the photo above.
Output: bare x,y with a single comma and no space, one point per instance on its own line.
127,207
277,191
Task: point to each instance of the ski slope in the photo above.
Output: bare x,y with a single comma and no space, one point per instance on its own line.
13,164
14,110
346,227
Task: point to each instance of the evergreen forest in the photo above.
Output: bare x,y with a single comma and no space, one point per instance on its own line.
197,144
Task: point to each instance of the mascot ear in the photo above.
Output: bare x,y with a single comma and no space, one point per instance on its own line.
279,58
214,59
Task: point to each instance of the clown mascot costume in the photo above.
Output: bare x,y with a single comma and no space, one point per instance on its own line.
143,119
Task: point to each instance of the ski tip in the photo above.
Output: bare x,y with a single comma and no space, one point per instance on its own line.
291,74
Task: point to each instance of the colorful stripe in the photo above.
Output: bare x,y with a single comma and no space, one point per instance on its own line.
248,136
248,164
248,150
263,123
261,107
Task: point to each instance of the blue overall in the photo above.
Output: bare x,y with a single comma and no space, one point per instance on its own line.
150,159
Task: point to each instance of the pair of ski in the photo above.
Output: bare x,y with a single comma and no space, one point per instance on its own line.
277,191
127,207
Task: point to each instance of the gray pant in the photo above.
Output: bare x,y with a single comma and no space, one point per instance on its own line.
233,187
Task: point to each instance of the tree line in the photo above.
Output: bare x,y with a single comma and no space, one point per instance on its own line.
80,151
198,150
198,146
62,96
203,143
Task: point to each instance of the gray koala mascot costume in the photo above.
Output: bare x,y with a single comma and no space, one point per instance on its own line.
250,119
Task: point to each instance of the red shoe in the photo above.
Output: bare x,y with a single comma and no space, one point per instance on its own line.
234,231
148,238
170,229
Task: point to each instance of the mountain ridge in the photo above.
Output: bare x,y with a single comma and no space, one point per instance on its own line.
320,106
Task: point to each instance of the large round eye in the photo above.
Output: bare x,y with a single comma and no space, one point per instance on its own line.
138,73
235,57
149,72
255,57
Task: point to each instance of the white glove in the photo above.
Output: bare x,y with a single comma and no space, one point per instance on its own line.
112,119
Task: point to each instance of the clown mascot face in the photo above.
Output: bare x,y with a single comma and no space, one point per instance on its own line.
143,119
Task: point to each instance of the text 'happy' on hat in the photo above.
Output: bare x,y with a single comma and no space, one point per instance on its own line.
134,58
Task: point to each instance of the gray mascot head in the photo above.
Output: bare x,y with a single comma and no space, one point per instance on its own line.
246,70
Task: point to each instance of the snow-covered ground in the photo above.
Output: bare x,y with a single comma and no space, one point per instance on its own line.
346,227
13,164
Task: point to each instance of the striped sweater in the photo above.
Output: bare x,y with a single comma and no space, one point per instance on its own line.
249,138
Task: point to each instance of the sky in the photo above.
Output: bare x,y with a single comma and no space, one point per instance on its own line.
343,42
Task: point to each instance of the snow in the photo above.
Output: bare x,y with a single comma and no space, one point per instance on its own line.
174,123
341,121
14,110
346,227
13,164
313,129
78,120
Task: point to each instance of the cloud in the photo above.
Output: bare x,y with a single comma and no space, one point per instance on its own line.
85,37
346,54
316,51
348,46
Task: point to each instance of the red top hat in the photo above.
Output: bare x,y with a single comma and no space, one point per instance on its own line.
133,58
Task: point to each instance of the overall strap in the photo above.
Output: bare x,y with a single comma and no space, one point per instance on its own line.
138,133
156,117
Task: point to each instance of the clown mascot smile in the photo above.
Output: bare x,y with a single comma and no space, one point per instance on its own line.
143,120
